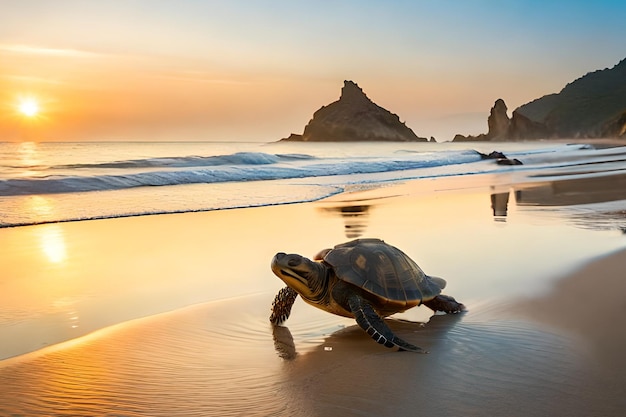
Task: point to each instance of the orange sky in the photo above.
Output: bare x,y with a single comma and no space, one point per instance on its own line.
256,70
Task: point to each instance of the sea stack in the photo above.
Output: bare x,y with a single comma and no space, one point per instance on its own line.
354,117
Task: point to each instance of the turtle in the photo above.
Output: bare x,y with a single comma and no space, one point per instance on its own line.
365,279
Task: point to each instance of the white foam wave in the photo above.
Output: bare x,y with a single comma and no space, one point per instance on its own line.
238,167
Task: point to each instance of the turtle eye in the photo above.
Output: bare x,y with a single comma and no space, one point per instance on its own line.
294,262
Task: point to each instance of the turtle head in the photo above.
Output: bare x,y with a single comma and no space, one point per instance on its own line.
307,277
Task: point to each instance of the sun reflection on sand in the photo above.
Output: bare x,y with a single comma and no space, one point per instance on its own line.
52,243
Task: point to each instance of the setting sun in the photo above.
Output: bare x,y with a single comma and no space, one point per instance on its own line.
28,107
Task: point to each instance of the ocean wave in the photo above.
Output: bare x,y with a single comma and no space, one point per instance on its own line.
239,158
237,167
56,191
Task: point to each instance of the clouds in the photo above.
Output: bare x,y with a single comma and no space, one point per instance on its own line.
218,66
43,51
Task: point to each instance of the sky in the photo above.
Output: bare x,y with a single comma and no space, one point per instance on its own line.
257,70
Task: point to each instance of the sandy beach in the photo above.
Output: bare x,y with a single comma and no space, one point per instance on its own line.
168,315
165,168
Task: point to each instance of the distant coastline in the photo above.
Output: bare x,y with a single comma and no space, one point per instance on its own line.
591,107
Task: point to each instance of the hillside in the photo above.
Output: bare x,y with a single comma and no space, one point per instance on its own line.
593,106
587,107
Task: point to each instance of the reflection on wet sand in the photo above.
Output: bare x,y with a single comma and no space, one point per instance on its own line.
463,374
355,216
348,340
52,242
283,342
500,205
581,191
567,192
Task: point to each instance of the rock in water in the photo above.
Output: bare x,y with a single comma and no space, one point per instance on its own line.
354,117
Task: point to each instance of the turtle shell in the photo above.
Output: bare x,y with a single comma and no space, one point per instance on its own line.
383,271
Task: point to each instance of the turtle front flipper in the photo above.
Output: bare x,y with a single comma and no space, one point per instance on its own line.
375,326
281,307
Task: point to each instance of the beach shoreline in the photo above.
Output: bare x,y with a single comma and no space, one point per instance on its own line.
183,301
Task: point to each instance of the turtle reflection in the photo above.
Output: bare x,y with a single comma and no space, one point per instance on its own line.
283,343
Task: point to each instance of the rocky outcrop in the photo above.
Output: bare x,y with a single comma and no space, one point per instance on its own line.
500,158
498,122
354,117
521,128
593,106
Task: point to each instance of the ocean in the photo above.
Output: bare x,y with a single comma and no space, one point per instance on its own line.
60,182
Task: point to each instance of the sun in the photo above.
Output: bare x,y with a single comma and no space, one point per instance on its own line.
28,106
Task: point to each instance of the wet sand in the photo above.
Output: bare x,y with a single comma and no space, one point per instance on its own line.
168,315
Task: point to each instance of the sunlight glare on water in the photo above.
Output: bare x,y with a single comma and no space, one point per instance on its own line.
53,243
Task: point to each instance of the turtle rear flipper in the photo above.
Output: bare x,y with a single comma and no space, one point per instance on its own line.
375,326
445,303
281,307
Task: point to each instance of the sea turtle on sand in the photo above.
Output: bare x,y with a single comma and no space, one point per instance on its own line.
365,279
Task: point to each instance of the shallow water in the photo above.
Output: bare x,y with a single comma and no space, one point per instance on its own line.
177,364
168,315
60,280
221,358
